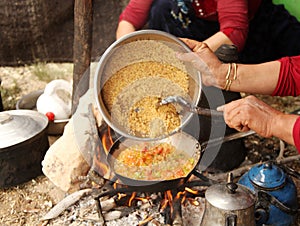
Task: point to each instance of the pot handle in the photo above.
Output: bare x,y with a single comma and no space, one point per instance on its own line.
290,171
231,220
233,136
265,196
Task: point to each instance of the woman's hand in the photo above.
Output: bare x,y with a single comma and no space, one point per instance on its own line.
251,113
213,71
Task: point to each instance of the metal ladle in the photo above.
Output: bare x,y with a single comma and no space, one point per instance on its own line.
187,106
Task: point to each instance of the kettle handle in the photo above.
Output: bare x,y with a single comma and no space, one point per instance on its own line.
231,220
290,171
262,195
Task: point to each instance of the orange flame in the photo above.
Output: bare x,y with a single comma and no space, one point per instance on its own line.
194,192
194,202
179,194
132,198
164,204
115,185
100,164
168,200
121,195
99,161
143,199
107,140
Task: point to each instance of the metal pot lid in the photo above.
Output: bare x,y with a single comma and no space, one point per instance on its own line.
17,126
267,175
223,197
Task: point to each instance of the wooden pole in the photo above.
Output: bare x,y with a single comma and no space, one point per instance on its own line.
82,48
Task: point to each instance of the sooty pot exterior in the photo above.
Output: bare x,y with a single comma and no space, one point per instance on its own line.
23,144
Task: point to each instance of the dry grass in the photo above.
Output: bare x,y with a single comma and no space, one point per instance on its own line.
19,81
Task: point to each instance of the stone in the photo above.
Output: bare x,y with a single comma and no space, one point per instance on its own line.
69,159
63,163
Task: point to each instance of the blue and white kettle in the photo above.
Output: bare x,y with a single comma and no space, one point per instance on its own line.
276,194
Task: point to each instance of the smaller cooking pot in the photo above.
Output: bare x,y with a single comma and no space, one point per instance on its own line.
23,144
182,141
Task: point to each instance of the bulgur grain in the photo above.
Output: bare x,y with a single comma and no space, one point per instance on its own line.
134,72
140,73
151,119
133,101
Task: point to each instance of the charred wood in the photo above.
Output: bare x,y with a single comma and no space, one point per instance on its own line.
65,203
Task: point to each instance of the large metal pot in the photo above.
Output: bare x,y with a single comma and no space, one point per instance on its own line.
28,102
23,144
229,204
125,51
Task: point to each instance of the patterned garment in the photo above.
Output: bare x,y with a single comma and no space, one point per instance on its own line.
185,10
180,11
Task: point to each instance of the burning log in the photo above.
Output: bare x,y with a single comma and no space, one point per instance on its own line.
177,214
106,206
99,163
171,207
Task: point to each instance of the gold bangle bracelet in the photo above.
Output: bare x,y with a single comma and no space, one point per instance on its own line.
228,80
235,71
228,86
227,76
228,72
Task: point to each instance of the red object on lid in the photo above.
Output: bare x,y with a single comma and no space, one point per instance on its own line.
50,116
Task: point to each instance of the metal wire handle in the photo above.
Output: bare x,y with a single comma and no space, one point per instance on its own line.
187,106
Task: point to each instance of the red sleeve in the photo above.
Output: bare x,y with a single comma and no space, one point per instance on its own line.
233,19
136,12
296,134
289,77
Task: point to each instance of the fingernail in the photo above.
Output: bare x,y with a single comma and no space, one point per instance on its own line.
220,108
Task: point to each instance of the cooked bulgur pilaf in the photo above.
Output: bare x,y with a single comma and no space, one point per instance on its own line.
147,117
134,72
140,84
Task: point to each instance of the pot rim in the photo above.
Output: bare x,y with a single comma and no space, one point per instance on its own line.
12,134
